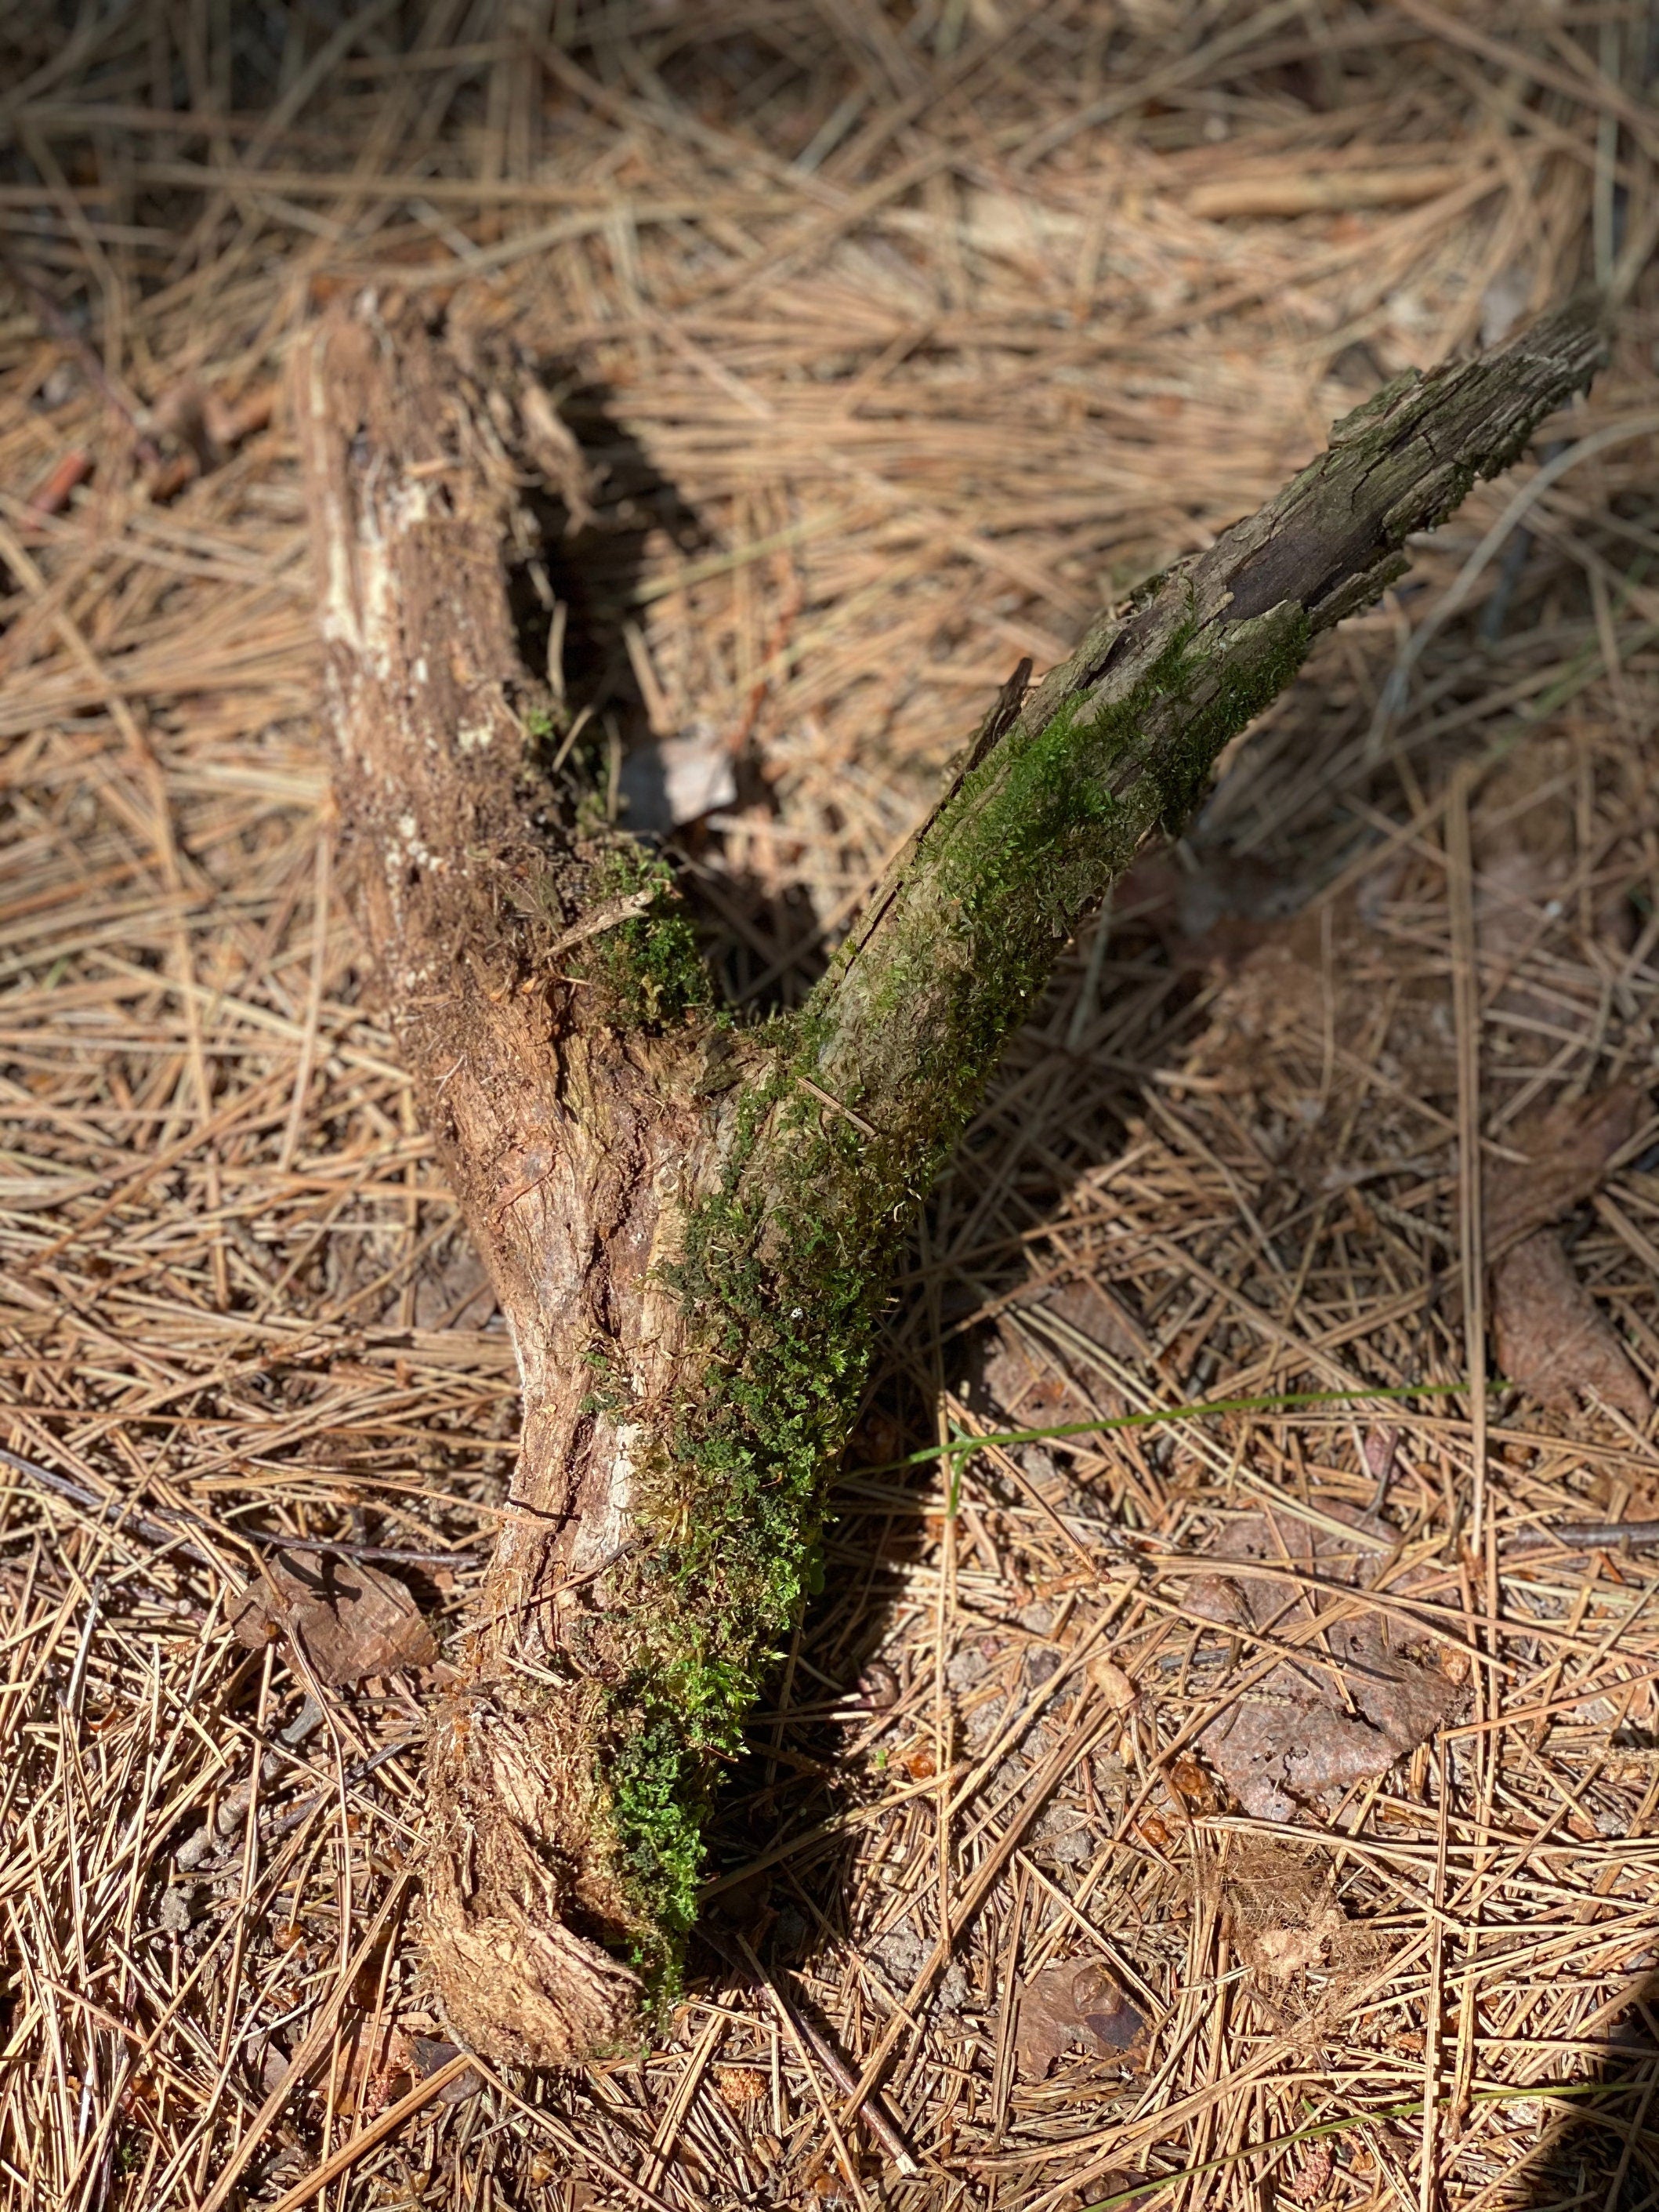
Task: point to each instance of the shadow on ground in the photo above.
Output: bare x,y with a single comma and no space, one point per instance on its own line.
1600,2150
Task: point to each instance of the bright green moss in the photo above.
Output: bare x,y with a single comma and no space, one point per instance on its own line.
647,968
659,1806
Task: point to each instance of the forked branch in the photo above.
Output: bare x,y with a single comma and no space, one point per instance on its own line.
689,1225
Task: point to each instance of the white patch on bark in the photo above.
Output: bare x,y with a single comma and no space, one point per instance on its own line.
602,1532
409,848
359,598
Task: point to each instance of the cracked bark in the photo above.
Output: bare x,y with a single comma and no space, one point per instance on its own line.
688,1225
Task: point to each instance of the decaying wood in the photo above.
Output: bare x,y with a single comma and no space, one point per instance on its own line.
688,1225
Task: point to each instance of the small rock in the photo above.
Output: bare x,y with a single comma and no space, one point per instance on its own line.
1068,1842
197,1847
676,779
175,1915
901,1955
1113,1684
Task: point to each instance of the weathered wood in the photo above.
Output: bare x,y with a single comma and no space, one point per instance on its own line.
688,1226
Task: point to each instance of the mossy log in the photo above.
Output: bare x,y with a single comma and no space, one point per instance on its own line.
690,1224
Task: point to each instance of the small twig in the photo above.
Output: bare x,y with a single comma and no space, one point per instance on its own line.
863,1127
607,916
1586,1536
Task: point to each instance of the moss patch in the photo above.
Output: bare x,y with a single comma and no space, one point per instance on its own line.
646,971
777,1274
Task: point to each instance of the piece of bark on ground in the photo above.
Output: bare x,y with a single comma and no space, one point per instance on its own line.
1365,1692
1040,1365
1552,1339
1568,1147
1077,2003
348,1619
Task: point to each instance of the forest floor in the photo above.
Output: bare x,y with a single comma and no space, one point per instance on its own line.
1286,1777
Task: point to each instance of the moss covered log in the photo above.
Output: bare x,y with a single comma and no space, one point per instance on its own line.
689,1225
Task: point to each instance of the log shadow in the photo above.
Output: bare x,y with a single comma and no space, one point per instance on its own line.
761,939
596,570
1601,2154
1183,921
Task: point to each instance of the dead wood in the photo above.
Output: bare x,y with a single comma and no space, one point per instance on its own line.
687,1225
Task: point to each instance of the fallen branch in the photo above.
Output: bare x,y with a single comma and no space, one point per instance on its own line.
689,1225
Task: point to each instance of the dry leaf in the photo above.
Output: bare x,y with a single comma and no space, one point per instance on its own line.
1359,1699
1041,1378
1550,1336
1553,1339
1094,1312
371,2073
1076,2003
1113,1684
430,2053
1568,1147
348,1619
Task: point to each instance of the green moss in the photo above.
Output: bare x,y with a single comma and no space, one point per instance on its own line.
781,1269
777,1277
659,1811
1181,769
1027,844
647,970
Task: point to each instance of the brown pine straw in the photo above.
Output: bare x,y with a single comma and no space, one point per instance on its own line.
898,341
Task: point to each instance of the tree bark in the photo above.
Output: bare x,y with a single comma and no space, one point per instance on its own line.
689,1224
